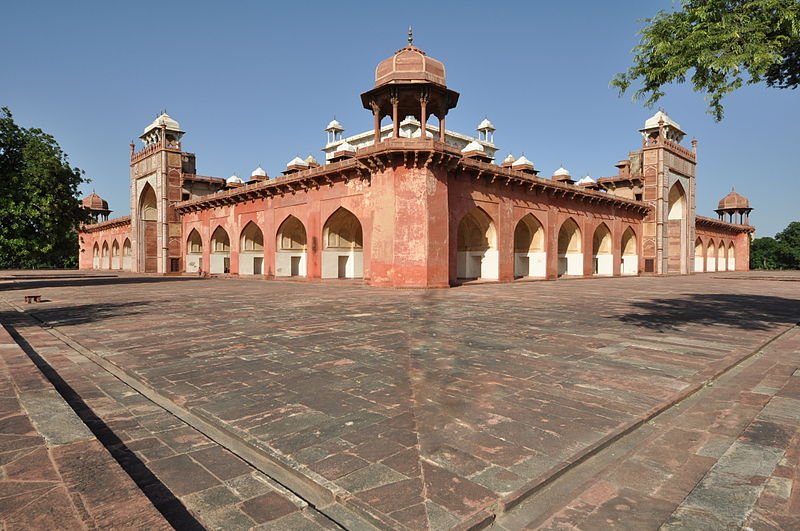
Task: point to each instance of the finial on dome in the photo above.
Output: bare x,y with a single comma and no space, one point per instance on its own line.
410,36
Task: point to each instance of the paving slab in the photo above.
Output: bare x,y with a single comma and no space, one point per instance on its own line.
462,401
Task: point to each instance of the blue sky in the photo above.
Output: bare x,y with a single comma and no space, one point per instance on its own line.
255,83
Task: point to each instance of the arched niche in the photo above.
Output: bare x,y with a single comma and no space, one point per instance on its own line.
343,243
251,250
476,246
630,253
115,262
570,253
291,243
194,252
148,229
699,257
126,254
602,249
220,252
530,259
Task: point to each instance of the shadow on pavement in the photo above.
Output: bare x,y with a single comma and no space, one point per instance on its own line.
30,283
747,312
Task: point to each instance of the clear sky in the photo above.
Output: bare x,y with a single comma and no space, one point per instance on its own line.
256,82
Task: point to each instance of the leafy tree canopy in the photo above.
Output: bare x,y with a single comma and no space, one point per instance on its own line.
39,207
718,44
780,252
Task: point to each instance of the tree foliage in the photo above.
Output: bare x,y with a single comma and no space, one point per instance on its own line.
720,45
39,207
780,252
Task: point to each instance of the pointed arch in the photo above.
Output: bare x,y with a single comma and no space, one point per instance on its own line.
251,250
570,253
476,245
194,252
343,243
126,254
530,258
711,256
602,246
630,253
105,260
291,242
677,229
96,256
677,202
731,257
220,251
115,261
148,229
722,257
699,255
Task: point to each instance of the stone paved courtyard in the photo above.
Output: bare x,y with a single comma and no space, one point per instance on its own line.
366,407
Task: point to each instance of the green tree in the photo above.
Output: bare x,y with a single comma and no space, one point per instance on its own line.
39,207
780,252
721,44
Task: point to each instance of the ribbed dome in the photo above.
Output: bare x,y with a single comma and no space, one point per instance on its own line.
486,124
234,179
94,202
410,65
522,162
733,200
259,172
334,125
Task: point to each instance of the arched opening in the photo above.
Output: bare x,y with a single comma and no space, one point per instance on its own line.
104,259
115,264
602,257
676,230
220,252
342,255
251,250
630,253
476,247
722,254
126,255
711,256
96,256
194,252
731,258
699,259
570,254
529,250
290,259
148,230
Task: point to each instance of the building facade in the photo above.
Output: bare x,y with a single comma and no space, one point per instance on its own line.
412,204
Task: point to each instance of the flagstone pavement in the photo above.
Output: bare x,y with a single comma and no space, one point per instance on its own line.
317,405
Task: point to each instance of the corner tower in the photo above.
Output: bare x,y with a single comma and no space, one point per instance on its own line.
155,188
668,176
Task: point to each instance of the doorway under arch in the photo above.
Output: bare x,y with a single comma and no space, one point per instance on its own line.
105,262
602,251
343,250
530,258
570,253
220,252
676,229
148,230
629,264
194,252
722,254
96,256
476,247
251,250
290,258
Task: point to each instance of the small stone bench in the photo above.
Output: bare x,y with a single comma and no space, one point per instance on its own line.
33,298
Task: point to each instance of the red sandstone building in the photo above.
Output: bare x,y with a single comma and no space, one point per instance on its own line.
415,205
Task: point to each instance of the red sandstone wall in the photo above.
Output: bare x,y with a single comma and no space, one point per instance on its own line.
740,240
87,241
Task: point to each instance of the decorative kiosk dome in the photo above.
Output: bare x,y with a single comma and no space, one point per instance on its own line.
234,180
94,202
258,174
410,65
165,120
524,165
508,162
733,205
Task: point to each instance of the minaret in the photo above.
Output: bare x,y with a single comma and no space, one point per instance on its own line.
156,181
668,174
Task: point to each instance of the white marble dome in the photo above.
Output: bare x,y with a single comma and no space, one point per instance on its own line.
561,172
259,172
234,179
473,146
